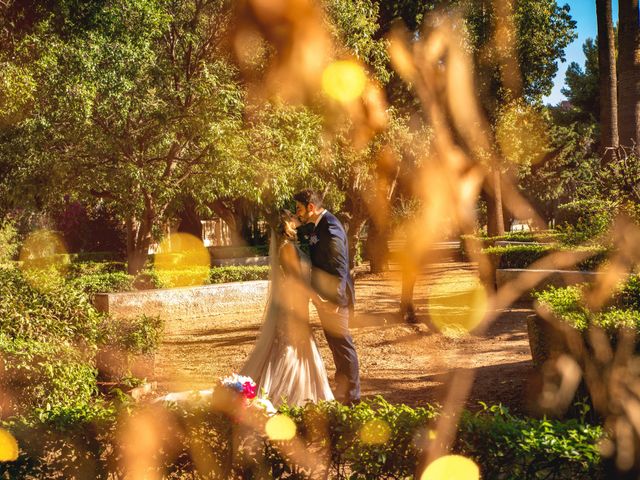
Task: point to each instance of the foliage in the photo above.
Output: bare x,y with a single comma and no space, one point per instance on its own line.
621,311
8,241
543,30
137,336
502,444
94,283
356,24
39,306
238,274
198,276
522,256
49,336
506,446
584,220
582,88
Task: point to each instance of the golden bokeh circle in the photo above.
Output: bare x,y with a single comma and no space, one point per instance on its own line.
43,249
375,432
8,447
182,260
43,259
457,304
344,80
280,428
451,467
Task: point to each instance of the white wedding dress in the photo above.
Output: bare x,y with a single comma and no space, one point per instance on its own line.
285,362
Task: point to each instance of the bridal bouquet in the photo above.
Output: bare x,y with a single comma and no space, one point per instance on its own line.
245,386
248,389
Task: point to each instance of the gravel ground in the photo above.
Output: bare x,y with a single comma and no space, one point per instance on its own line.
409,364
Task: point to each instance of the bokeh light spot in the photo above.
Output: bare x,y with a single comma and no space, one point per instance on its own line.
344,80
457,304
451,467
182,260
375,432
44,259
8,447
280,427
43,249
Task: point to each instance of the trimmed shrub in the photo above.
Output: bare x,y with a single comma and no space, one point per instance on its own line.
522,256
505,446
238,274
103,282
568,305
373,440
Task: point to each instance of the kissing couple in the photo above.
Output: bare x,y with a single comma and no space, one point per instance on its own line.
285,362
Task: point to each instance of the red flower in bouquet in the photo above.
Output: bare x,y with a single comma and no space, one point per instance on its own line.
249,389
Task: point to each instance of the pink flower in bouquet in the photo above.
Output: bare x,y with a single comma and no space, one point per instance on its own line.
249,389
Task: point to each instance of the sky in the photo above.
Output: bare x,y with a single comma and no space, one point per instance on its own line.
584,13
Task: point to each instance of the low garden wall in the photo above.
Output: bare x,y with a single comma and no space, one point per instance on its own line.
186,302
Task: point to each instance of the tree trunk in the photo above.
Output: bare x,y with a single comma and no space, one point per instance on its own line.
377,248
354,228
629,74
608,80
495,216
138,242
190,221
233,217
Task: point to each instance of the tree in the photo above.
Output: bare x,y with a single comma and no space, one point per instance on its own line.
629,74
138,102
608,79
582,87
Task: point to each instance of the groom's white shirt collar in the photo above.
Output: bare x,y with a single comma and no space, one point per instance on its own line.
315,224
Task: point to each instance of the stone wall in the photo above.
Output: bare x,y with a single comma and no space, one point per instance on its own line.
184,303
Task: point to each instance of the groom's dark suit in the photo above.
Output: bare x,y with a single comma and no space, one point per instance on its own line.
331,279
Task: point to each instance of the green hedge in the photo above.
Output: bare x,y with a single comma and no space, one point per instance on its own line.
204,443
119,281
481,242
522,256
49,337
622,310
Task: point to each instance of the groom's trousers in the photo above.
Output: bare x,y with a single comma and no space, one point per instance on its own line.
336,328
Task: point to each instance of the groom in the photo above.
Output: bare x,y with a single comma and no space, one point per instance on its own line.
331,280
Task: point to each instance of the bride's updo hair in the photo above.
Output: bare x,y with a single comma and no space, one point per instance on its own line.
287,226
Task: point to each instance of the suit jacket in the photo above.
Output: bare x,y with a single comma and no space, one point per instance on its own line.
329,252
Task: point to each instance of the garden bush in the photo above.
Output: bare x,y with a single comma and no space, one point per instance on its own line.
522,256
104,282
482,242
8,241
202,442
622,310
238,274
584,220
49,337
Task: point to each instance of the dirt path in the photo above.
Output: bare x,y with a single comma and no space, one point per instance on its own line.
405,364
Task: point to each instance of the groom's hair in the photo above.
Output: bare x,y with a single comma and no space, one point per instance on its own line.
308,196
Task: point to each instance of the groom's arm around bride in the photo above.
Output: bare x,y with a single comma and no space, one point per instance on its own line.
331,279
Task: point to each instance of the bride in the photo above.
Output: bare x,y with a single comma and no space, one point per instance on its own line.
285,362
